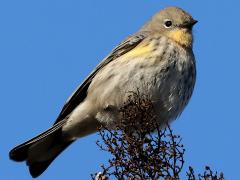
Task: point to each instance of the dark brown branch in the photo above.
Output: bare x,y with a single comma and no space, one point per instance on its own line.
142,149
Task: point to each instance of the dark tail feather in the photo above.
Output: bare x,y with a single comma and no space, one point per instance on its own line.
37,167
40,151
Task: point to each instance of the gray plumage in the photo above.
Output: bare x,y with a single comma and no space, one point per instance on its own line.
157,61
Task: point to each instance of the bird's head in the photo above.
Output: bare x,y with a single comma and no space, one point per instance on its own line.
173,23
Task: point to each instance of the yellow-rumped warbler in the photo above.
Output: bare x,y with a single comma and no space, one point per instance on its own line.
159,54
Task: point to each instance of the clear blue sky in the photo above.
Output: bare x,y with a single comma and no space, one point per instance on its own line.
48,47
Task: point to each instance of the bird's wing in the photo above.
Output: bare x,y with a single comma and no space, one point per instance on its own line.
79,95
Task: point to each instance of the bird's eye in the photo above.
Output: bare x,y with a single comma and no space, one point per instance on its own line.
168,23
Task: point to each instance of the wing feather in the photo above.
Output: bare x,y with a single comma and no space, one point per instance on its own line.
79,95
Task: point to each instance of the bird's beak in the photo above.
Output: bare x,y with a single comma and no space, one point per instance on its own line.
193,22
189,24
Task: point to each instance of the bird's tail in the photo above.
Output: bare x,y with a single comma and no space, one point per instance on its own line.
41,150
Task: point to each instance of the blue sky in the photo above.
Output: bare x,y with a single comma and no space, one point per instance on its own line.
48,47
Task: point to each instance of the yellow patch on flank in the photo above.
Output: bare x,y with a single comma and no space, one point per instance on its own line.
141,50
181,36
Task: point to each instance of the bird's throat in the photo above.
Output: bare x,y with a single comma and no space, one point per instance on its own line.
181,36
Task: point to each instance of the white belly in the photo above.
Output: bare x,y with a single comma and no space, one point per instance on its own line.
161,81
167,81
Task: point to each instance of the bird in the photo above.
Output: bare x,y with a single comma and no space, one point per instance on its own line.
159,54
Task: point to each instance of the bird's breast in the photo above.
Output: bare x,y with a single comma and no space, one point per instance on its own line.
166,76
